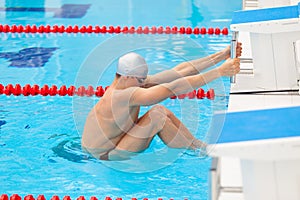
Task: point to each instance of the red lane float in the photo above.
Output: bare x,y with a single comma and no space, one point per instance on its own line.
5,28
45,90
55,197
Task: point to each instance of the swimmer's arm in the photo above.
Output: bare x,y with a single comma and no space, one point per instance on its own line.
158,93
194,67
187,68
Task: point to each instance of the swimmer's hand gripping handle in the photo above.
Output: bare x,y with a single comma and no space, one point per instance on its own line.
235,35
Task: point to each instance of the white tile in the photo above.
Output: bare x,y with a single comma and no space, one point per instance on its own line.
259,102
231,196
231,175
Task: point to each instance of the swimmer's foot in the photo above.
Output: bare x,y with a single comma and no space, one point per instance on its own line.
199,148
198,144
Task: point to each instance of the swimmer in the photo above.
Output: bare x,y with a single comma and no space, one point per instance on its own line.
113,128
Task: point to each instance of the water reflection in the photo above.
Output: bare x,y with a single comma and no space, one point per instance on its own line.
196,15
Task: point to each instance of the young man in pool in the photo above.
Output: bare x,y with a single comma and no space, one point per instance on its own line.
113,130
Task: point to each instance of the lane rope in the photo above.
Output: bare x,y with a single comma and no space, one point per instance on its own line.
89,91
5,28
55,197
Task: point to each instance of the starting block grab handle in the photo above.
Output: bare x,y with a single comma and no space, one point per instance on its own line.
235,35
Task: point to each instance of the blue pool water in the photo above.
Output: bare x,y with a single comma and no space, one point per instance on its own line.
40,149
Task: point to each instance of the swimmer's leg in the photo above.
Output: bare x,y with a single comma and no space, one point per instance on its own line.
182,130
139,137
158,120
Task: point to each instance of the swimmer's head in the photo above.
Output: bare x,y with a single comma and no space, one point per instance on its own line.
132,64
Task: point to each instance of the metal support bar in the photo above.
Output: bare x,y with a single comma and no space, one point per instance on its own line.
246,60
296,45
214,180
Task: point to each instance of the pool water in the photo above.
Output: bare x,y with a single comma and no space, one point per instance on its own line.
40,150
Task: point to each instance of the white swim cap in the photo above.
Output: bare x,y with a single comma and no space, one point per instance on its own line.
132,64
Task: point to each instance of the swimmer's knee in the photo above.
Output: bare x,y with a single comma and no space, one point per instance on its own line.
156,111
164,112
160,109
160,115
157,108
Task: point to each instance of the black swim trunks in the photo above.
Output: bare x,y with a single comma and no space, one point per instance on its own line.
104,156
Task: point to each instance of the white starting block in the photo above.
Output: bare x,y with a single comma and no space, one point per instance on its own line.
267,143
275,43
